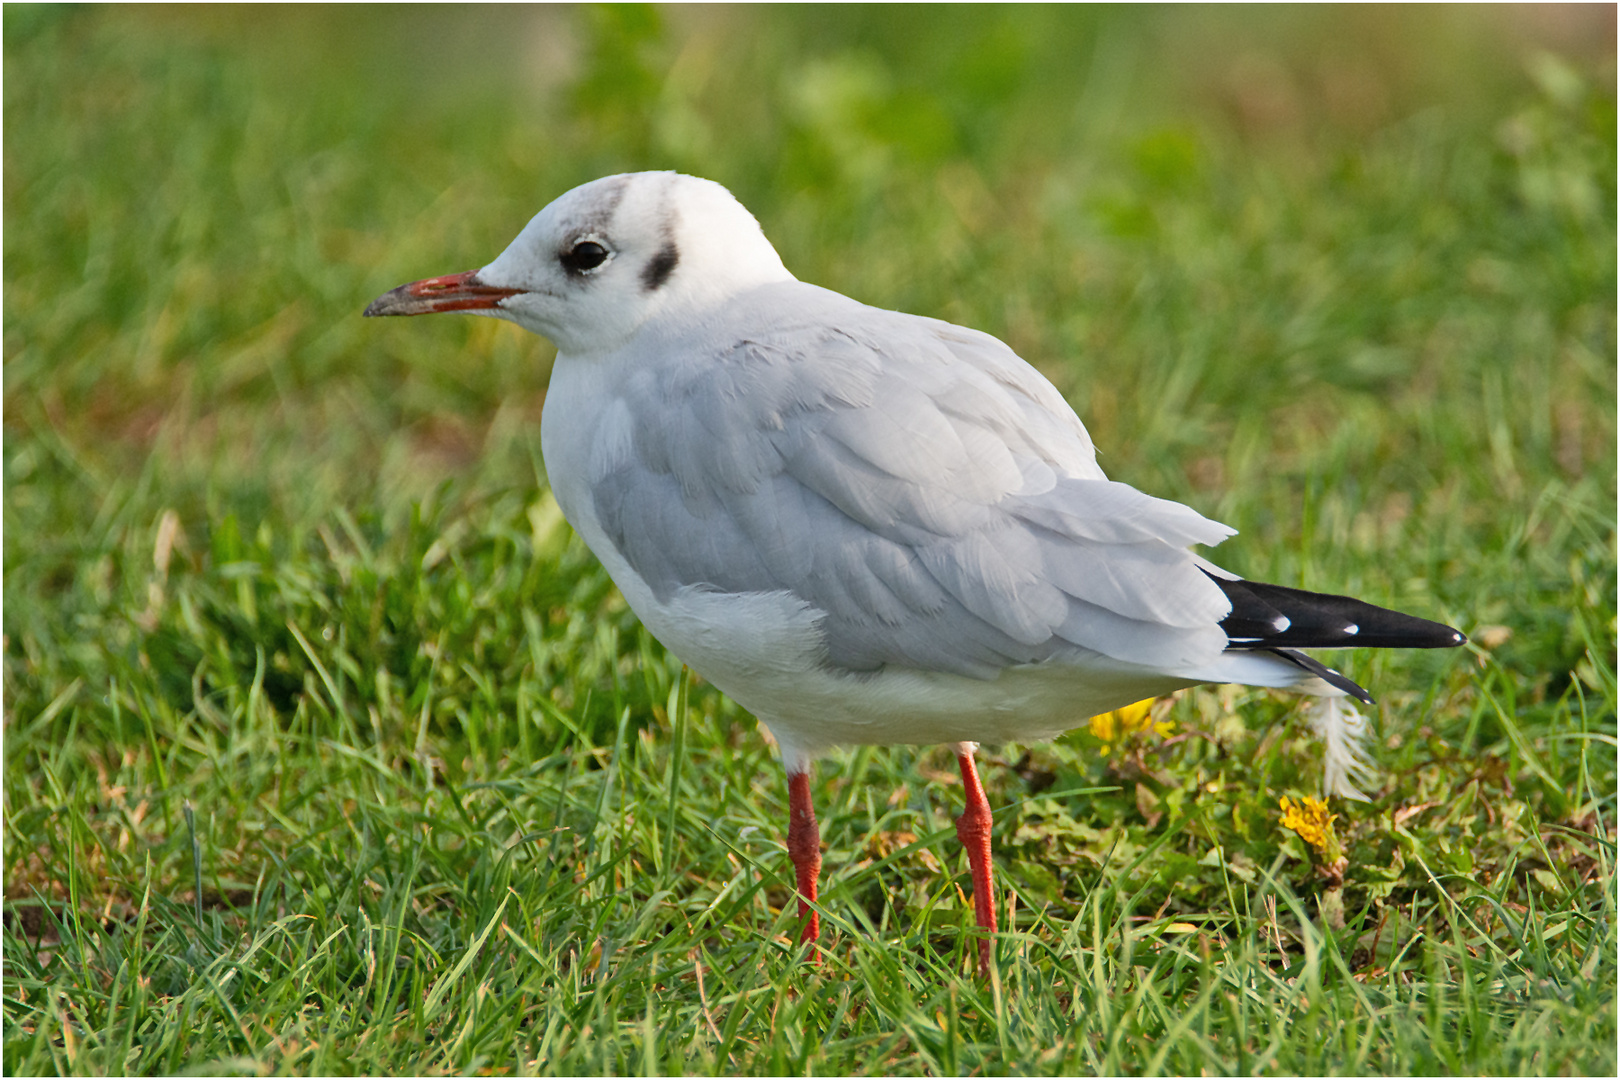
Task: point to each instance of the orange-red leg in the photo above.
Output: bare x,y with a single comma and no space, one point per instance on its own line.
804,846
973,829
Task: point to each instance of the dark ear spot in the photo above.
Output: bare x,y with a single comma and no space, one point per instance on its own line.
660,266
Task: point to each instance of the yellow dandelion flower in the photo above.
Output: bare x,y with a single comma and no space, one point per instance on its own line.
1129,720
1310,819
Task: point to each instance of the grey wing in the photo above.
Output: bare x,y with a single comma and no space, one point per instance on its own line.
918,483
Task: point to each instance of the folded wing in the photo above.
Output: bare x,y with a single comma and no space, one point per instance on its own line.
917,482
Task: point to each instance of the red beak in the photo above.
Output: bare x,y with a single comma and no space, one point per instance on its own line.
452,292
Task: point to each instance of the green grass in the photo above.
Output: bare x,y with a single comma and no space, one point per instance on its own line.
329,748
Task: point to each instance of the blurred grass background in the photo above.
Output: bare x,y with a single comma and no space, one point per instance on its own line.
1341,277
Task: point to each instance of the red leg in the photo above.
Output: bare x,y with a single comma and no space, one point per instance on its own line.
973,829
804,846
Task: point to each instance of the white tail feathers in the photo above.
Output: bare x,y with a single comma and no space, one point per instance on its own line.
1344,732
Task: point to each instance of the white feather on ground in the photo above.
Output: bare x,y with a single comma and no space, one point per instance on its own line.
1343,730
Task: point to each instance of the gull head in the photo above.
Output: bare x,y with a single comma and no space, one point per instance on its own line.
592,268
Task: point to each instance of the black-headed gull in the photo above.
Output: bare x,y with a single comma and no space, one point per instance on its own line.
866,526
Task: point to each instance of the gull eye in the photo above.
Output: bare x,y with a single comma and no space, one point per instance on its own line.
584,256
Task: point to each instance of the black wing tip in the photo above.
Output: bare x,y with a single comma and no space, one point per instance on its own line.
1438,636
1322,620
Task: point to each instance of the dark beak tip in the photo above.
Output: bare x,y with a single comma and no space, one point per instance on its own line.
396,301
